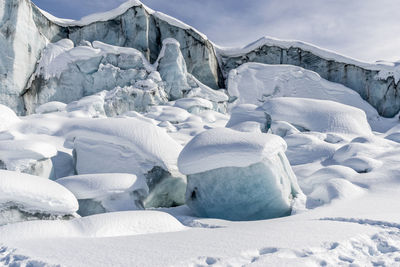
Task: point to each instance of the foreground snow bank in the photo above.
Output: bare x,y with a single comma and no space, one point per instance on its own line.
101,225
98,193
24,196
238,175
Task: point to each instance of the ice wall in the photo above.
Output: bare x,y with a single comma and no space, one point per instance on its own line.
377,84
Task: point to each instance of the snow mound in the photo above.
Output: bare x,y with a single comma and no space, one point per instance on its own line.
35,194
223,147
7,118
99,193
253,83
318,115
50,107
97,226
96,185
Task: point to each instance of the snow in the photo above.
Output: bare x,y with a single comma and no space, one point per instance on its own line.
385,69
96,185
129,223
7,118
318,115
35,194
254,83
223,147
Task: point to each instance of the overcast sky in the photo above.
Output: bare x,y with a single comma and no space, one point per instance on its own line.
368,30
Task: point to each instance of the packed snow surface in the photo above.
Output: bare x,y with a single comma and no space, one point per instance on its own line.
35,194
223,147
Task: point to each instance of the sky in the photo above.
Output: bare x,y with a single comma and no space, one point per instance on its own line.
367,30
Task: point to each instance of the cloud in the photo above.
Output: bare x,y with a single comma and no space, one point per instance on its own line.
364,29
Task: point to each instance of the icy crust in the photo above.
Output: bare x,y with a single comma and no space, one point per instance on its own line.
34,194
7,118
223,147
102,225
97,185
385,70
318,115
253,83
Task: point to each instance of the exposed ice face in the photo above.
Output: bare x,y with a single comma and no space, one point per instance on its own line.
26,197
99,193
260,191
238,175
254,83
172,68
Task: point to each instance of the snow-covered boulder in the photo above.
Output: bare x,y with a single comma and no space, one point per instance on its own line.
125,145
31,157
253,83
318,115
98,193
27,197
7,118
238,175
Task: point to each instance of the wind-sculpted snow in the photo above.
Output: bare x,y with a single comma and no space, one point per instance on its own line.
376,83
7,118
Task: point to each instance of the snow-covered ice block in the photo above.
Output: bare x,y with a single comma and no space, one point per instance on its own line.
50,107
106,192
27,156
238,175
253,83
318,115
124,223
7,118
28,197
194,104
125,145
167,113
242,115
